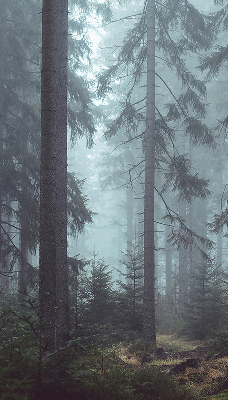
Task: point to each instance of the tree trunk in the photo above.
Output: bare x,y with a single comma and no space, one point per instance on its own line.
129,218
2,73
192,249
220,189
62,302
120,251
183,273
53,180
129,235
149,248
140,234
140,224
23,273
168,266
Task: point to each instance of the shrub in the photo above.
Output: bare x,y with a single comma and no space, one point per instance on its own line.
221,342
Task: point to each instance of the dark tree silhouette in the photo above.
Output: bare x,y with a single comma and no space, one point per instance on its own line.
53,178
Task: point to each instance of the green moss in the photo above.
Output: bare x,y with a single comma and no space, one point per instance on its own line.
220,396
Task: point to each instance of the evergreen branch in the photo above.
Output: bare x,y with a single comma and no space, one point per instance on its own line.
122,19
23,58
169,132
173,215
171,92
22,76
23,123
18,252
214,62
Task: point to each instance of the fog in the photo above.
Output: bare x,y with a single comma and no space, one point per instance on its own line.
107,147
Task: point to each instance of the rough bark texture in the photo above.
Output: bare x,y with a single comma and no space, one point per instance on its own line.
47,255
53,180
2,72
149,248
62,315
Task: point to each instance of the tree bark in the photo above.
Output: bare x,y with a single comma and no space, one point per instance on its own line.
2,73
183,272
62,302
149,248
129,236
53,179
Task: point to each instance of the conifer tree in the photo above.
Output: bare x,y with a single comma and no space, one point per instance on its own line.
53,182
20,118
2,71
53,175
149,246
184,106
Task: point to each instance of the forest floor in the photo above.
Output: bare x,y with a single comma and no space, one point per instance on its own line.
192,363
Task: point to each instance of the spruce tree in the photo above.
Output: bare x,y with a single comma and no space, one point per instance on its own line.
149,246
20,118
53,175
184,106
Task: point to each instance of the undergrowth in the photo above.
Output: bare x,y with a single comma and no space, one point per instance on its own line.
78,371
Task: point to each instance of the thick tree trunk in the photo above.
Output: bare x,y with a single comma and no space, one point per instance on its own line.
53,180
47,262
2,73
62,303
149,248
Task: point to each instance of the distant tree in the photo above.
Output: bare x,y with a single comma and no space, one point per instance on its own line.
205,309
20,119
20,125
183,106
99,292
149,245
131,296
